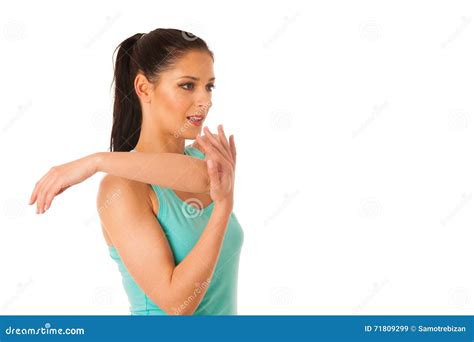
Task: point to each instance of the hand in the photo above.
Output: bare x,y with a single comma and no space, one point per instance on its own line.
59,178
221,160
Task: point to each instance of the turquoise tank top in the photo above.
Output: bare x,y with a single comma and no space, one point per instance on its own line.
183,225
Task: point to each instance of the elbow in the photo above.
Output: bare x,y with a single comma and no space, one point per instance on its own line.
206,185
174,302
181,303
180,308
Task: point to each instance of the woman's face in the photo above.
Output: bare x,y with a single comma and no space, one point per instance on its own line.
181,92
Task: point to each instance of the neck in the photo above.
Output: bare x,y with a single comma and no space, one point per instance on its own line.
159,142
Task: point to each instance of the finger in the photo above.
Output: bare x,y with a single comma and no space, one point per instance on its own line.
33,195
214,139
216,142
221,163
211,151
52,194
232,148
56,190
48,200
36,189
43,193
40,201
39,190
223,138
208,147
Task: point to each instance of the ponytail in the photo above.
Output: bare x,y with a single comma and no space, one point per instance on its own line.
127,113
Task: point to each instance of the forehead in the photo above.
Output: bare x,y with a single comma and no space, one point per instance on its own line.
193,63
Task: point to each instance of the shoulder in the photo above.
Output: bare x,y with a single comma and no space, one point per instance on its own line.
198,147
117,194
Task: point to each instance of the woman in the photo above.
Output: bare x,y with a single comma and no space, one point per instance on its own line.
166,216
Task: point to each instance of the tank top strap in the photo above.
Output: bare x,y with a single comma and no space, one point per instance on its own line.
166,196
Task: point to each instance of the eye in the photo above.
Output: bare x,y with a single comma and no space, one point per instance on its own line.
187,84
190,86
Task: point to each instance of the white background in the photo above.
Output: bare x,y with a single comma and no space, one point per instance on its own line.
353,123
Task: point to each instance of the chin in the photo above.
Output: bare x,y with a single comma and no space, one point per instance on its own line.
188,132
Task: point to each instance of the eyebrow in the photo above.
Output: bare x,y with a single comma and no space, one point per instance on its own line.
196,78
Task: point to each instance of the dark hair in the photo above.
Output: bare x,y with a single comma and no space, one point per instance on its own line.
151,54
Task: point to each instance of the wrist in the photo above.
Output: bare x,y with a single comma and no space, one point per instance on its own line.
226,205
96,160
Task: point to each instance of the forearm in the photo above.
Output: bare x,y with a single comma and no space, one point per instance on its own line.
169,170
192,277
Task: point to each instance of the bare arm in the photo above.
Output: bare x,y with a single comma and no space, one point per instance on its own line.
169,170
142,243
148,256
179,172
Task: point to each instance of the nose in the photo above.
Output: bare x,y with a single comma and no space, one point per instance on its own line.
204,101
205,106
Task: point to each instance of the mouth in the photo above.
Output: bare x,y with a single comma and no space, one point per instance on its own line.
195,120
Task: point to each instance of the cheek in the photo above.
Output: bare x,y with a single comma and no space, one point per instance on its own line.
174,104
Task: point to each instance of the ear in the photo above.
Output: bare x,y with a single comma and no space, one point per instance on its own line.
143,88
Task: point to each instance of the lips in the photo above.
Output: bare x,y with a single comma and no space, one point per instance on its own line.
195,120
